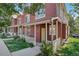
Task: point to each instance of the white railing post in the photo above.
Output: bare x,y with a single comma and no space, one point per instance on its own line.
52,31
46,32
34,34
18,30
56,41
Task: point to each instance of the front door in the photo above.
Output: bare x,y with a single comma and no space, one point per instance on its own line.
43,34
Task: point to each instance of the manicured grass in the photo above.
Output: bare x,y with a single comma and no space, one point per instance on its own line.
71,48
14,45
71,39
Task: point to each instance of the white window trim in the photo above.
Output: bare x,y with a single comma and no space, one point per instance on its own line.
39,17
27,21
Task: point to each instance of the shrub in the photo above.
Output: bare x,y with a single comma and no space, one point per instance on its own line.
3,35
46,49
16,37
22,38
31,45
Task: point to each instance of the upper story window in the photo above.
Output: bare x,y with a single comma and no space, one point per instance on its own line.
27,18
40,13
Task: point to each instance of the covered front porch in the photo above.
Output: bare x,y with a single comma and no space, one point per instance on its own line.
53,30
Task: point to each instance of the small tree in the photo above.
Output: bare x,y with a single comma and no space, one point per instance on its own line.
77,24
71,23
46,49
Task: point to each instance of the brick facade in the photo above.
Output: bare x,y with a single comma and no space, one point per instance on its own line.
50,12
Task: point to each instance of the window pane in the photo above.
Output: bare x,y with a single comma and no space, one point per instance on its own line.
40,13
27,18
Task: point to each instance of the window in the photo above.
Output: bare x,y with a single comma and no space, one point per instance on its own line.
40,13
54,30
27,18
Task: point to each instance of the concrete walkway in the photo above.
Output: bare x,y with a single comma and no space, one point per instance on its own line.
27,52
3,49
24,52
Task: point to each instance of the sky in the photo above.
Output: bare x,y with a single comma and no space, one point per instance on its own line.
69,8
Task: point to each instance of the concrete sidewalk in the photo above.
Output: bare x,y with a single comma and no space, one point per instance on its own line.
24,52
3,49
27,52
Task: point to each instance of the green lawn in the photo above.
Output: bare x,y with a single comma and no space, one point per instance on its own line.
71,48
14,45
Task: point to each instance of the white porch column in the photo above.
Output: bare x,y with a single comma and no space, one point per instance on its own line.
56,41
7,29
66,31
46,32
3,29
18,30
34,34
26,31
22,34
12,29
26,38
52,32
61,31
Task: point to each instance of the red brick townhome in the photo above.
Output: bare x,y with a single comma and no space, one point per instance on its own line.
49,23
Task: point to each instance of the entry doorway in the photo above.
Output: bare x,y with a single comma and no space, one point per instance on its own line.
43,34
